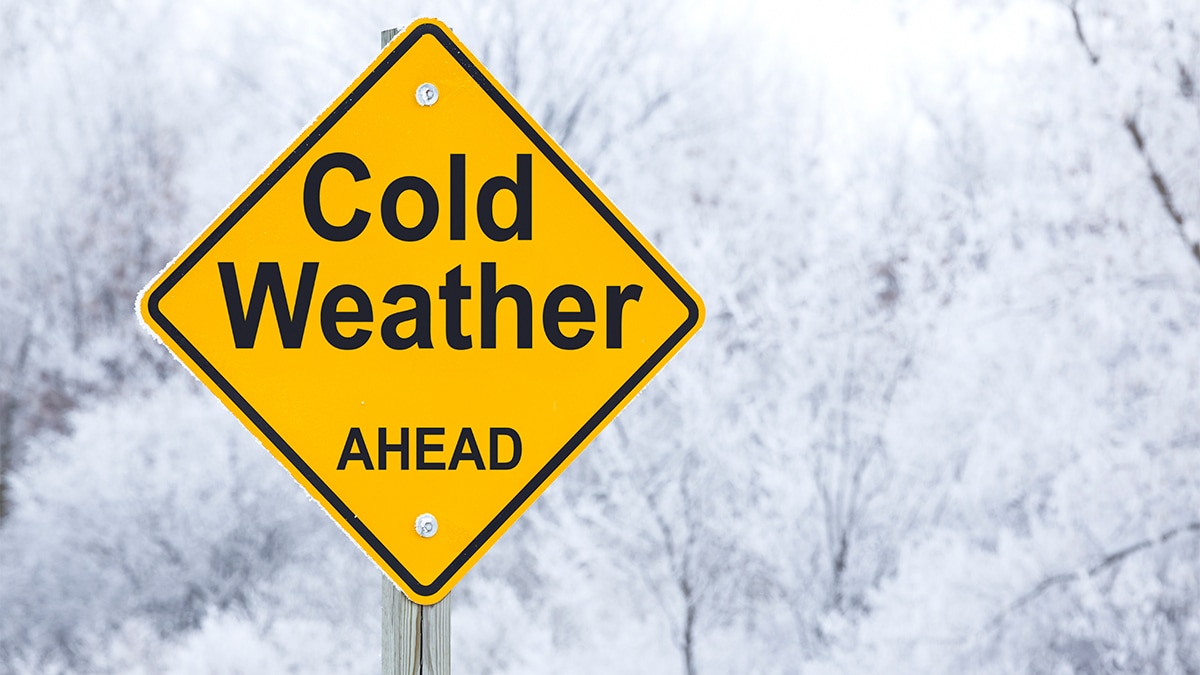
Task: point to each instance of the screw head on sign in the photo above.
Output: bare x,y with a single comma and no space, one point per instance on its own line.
426,525
427,94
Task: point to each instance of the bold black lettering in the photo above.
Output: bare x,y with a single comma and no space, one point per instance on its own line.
355,439
419,314
489,299
429,208
453,292
553,315
267,280
423,447
494,448
385,448
613,305
522,190
466,439
458,197
331,316
312,196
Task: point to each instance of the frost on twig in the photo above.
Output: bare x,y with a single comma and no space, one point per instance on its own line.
1111,560
1161,187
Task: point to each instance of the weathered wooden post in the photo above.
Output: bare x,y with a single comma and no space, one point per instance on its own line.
416,639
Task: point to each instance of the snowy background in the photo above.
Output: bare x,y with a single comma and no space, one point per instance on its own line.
942,417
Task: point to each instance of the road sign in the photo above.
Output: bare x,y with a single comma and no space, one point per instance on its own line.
424,309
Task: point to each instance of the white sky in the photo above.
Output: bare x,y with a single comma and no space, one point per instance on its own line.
866,52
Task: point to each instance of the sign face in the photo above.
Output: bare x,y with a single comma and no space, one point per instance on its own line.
424,309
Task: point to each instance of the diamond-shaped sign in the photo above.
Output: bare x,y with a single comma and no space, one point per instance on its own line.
424,309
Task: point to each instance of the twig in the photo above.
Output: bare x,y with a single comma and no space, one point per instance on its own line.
1074,7
1165,195
1106,562
1160,186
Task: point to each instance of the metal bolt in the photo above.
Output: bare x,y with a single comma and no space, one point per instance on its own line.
427,94
426,525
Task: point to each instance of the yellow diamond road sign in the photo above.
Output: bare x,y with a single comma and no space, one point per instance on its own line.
424,309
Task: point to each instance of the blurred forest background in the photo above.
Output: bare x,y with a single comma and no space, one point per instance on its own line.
942,417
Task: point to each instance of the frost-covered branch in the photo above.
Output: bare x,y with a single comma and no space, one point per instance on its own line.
1160,185
9,403
1073,6
1105,563
1165,195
